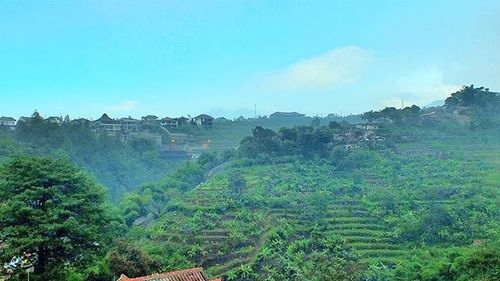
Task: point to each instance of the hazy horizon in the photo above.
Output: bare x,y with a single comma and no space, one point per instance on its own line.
224,57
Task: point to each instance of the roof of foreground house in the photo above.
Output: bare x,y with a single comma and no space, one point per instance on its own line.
193,274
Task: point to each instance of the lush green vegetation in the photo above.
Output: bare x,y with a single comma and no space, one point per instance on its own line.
55,215
119,166
124,166
384,207
404,197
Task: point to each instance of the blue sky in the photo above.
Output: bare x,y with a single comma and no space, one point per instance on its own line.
173,58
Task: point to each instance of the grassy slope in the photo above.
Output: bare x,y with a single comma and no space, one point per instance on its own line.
208,227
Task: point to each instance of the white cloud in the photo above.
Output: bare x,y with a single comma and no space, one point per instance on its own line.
421,88
323,72
124,106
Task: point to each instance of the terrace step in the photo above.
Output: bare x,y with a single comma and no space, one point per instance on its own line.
347,209
359,232
374,246
367,239
213,249
389,261
347,203
214,232
214,238
241,255
350,220
283,211
347,213
300,218
355,226
225,268
381,253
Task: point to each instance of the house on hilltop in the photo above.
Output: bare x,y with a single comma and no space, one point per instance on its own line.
194,274
8,122
182,121
130,125
107,125
169,123
206,121
54,120
80,121
150,119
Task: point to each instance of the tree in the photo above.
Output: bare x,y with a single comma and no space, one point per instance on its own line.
208,160
369,116
262,141
126,258
391,113
321,138
410,114
316,122
51,210
476,263
335,126
469,96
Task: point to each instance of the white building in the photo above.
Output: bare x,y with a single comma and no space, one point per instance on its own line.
8,122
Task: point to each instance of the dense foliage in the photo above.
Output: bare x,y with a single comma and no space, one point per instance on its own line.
150,200
303,140
386,209
119,166
413,194
404,197
481,100
53,212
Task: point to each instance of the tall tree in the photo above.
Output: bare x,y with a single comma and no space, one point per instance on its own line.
128,259
50,209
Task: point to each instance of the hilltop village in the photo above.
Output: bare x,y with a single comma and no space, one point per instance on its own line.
167,133
185,138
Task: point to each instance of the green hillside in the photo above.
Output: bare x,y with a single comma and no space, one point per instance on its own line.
381,207
410,194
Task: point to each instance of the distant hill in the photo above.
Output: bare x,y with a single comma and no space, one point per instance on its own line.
435,103
286,115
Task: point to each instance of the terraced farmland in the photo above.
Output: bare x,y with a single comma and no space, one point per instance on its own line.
222,237
366,234
230,234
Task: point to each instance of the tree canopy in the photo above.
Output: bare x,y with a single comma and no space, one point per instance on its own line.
474,97
52,210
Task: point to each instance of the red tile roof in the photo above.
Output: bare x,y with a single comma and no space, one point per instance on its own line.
194,274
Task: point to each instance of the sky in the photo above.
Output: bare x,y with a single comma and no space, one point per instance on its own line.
231,58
